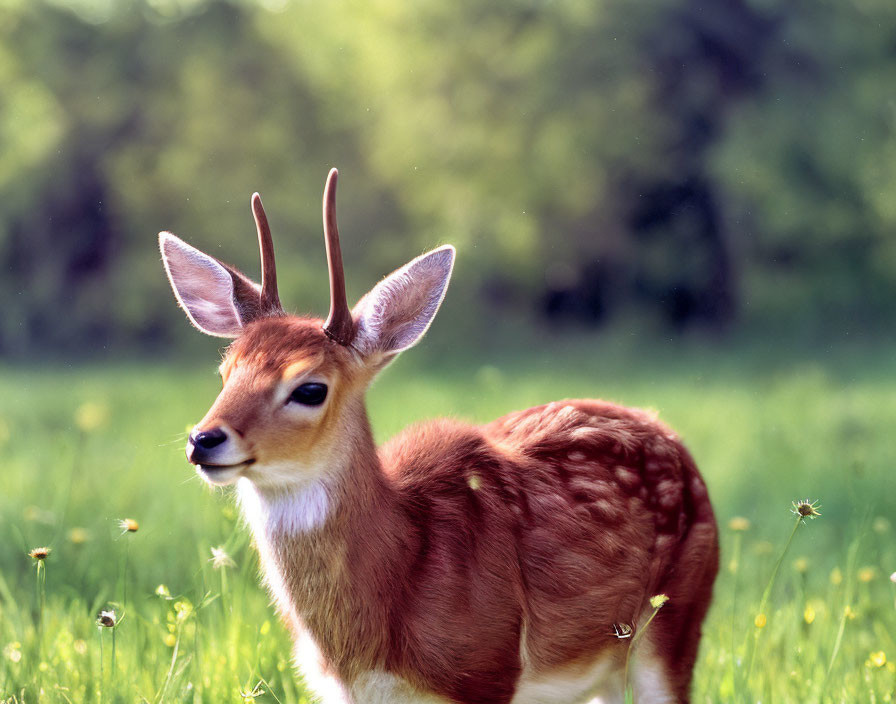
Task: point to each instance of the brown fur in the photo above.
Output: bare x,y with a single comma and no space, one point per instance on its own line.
451,543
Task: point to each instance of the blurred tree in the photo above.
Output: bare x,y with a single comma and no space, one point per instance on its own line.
676,160
809,172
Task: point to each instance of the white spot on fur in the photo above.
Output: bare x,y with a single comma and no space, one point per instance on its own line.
576,456
583,433
567,411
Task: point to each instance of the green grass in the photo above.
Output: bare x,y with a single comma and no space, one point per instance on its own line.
765,430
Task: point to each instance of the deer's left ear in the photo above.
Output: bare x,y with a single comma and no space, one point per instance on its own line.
400,308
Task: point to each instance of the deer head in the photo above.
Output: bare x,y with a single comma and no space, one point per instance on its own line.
292,400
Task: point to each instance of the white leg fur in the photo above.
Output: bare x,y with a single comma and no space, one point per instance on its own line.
370,688
649,680
597,683
384,688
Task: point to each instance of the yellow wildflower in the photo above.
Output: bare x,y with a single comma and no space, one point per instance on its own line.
658,600
739,524
809,614
866,574
78,536
91,416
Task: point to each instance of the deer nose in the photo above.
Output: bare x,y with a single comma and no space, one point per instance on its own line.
207,439
200,448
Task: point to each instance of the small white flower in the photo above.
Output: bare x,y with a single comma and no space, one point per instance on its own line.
106,619
221,559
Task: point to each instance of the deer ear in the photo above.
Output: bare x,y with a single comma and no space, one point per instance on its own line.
399,309
217,298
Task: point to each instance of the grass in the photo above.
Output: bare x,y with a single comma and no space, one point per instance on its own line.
84,448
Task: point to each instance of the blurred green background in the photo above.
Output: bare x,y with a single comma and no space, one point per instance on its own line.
667,166
677,204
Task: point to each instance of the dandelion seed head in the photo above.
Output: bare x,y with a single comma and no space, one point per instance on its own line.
106,619
221,559
13,651
40,554
806,509
249,696
128,525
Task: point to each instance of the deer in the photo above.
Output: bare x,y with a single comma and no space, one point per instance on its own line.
457,564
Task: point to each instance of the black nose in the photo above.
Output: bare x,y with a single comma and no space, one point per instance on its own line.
207,439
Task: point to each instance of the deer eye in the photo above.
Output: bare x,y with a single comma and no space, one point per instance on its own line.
311,394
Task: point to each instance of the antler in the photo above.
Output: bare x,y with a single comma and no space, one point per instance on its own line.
270,299
339,325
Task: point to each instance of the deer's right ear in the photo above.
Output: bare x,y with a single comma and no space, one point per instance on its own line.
217,298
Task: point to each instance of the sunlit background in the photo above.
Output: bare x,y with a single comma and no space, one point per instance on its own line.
677,204
669,166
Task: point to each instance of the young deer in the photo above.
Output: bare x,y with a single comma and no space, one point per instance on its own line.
471,564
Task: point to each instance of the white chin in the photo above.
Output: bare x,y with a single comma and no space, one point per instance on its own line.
220,476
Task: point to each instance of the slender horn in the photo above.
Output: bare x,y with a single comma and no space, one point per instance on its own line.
339,325
270,299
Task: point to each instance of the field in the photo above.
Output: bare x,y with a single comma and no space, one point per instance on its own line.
84,447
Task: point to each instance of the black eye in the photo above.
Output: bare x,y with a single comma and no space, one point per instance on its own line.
311,394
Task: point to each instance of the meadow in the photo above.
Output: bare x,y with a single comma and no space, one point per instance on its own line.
82,448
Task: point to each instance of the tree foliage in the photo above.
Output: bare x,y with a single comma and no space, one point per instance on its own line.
696,164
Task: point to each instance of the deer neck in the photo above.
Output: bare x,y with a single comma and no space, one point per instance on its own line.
331,550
